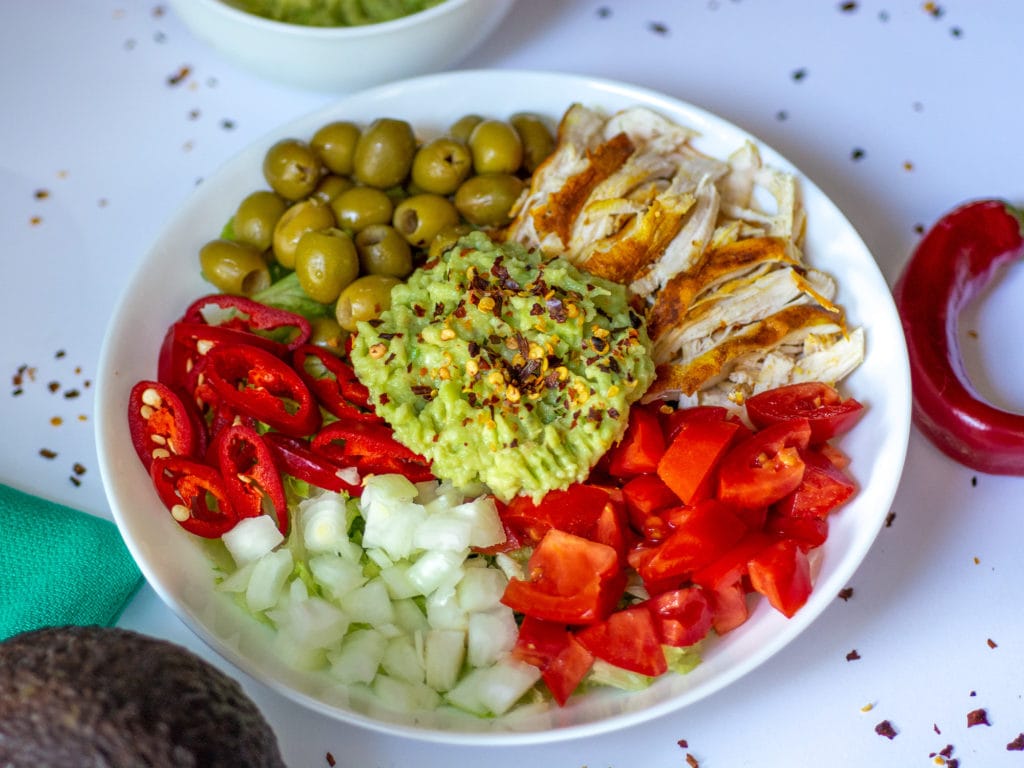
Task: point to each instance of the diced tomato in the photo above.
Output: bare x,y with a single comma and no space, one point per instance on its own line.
673,422
562,660
641,446
824,408
573,580
703,533
612,526
823,488
764,468
644,496
731,566
728,607
573,510
627,639
682,616
782,574
689,464
808,531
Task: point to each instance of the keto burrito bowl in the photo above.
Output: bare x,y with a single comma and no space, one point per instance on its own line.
448,519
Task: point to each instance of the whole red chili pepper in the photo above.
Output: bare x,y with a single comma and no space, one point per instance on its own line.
256,383
249,473
957,258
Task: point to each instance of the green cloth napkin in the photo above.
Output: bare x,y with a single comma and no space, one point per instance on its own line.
59,566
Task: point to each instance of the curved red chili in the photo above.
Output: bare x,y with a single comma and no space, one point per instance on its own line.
256,383
194,493
957,258
161,423
371,448
245,314
250,474
294,457
333,382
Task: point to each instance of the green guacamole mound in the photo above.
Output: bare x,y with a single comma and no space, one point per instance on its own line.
333,13
505,368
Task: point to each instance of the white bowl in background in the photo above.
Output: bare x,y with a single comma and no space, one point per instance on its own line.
344,58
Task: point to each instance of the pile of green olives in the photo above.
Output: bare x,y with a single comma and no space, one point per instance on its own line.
355,209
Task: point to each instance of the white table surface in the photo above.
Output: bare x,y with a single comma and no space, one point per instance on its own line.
898,109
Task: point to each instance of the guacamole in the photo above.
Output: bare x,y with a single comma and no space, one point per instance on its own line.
333,13
504,367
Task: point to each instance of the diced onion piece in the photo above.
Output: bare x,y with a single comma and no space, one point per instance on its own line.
403,660
482,514
491,636
444,611
369,604
268,577
435,569
238,581
312,623
400,586
444,650
493,690
480,589
337,575
252,538
391,525
443,530
325,525
409,617
405,696
359,657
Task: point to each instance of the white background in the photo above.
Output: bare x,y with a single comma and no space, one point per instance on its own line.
903,110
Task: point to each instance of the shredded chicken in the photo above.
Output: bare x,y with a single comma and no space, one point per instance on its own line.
714,248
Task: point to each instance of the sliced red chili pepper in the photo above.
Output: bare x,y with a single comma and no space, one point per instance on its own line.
251,478
764,468
241,313
256,383
161,423
295,457
194,493
334,383
371,447
957,258
824,408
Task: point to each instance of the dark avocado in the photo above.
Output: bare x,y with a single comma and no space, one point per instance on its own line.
100,697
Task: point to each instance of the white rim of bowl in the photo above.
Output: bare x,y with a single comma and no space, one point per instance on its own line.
225,9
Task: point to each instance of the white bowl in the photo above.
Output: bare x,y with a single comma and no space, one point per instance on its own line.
175,564
343,59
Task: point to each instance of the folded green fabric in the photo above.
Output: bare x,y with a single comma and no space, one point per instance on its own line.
59,566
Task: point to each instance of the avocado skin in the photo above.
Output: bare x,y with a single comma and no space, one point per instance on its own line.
100,697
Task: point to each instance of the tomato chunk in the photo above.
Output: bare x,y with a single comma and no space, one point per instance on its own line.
765,467
782,574
682,616
627,639
575,510
688,466
641,447
702,533
824,487
828,414
562,660
573,580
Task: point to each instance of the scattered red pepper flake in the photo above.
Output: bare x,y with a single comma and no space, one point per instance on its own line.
180,76
974,482
935,727
889,519
977,561
75,481
683,743
847,7
330,760
78,468
71,394
852,655
158,11
907,165
53,386
933,9
35,221
977,717
799,74
845,593
658,27
956,32
42,194
857,154
1017,745
56,421
604,12
781,115
46,453
692,761
886,729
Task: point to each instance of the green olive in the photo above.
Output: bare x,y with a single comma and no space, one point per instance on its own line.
537,139
440,165
256,217
487,200
420,217
446,238
464,126
234,267
325,262
292,168
331,186
384,152
383,251
326,332
496,147
360,207
364,299
300,218
336,145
